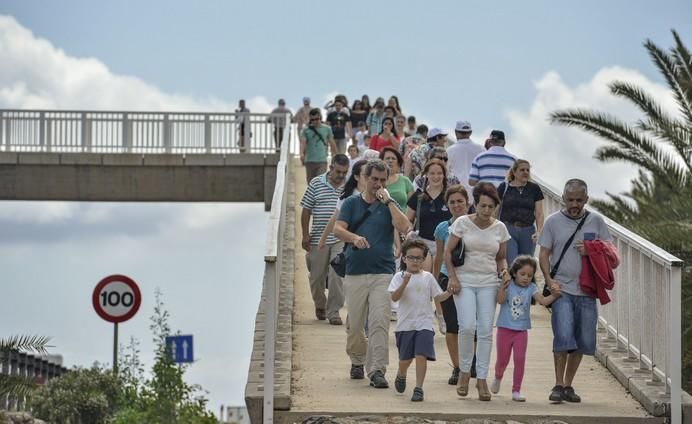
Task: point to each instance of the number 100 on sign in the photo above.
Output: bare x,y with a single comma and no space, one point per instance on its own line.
116,298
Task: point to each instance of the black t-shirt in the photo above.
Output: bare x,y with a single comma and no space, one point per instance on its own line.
337,120
357,117
432,212
519,205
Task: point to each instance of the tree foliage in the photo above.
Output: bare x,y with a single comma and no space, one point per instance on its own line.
97,396
15,385
659,203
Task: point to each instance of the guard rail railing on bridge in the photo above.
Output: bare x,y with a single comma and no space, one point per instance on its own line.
643,320
141,132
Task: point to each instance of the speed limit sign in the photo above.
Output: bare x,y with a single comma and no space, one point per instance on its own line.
116,298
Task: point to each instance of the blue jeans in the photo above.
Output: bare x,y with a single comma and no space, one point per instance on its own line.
476,312
520,243
574,321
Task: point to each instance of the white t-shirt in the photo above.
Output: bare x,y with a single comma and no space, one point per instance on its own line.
360,138
480,268
415,306
461,154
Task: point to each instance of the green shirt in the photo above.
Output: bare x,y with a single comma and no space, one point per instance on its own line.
315,147
400,190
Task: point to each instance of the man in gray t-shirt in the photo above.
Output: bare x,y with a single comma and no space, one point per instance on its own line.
575,315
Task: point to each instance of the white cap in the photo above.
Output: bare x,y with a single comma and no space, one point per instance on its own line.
463,126
434,132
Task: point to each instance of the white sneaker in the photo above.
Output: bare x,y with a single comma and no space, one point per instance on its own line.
495,386
441,322
518,397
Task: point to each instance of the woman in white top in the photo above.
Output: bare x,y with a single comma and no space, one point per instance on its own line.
475,283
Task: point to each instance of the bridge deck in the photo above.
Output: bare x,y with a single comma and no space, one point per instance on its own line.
321,384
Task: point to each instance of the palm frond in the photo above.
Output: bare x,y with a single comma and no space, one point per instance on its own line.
16,385
683,58
658,122
25,343
666,64
630,145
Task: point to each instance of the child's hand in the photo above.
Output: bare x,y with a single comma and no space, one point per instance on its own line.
556,290
407,276
505,284
505,276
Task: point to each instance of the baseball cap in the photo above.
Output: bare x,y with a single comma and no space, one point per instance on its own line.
463,126
434,132
497,135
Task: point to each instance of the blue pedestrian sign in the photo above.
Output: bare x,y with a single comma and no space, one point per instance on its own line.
180,348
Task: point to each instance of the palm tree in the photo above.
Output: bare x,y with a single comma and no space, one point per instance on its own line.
15,385
659,204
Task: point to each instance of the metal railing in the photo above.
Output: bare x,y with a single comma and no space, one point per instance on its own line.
644,317
141,132
273,264
36,368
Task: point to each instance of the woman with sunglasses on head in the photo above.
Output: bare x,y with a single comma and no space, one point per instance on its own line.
441,154
386,138
521,210
427,208
398,186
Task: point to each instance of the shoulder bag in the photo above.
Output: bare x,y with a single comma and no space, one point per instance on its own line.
338,263
459,252
553,270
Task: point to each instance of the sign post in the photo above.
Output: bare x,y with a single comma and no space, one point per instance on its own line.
116,299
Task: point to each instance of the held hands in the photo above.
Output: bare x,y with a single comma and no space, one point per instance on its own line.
555,290
454,286
534,237
504,275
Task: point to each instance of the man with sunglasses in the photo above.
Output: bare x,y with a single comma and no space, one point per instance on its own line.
316,140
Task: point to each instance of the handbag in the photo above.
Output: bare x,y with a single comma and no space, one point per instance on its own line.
553,270
338,262
459,252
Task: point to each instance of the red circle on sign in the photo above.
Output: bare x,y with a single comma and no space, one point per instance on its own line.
137,301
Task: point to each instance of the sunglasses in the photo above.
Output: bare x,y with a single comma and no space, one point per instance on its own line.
444,158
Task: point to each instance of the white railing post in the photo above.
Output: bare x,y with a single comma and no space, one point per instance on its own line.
127,133
42,130
207,134
86,133
675,348
167,142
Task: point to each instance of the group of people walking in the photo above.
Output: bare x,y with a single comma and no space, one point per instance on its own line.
425,225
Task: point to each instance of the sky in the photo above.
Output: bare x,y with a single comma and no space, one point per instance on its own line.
498,64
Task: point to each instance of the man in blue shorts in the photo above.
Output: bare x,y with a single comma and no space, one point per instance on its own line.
369,269
575,314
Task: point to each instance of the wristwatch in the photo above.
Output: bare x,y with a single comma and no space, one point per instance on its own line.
388,201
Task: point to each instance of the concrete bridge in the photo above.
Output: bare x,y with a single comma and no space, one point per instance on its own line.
138,156
299,367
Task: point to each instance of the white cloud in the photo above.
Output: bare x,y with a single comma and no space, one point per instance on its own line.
37,75
558,153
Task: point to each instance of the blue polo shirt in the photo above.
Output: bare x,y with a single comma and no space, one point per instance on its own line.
377,229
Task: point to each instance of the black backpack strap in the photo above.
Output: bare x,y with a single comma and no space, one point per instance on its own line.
553,271
318,135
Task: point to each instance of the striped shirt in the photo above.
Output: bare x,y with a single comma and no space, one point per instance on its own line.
492,165
320,198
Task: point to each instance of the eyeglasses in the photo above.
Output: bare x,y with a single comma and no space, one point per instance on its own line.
314,118
444,158
414,258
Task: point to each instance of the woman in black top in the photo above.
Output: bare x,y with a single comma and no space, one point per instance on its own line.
358,115
430,201
521,210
